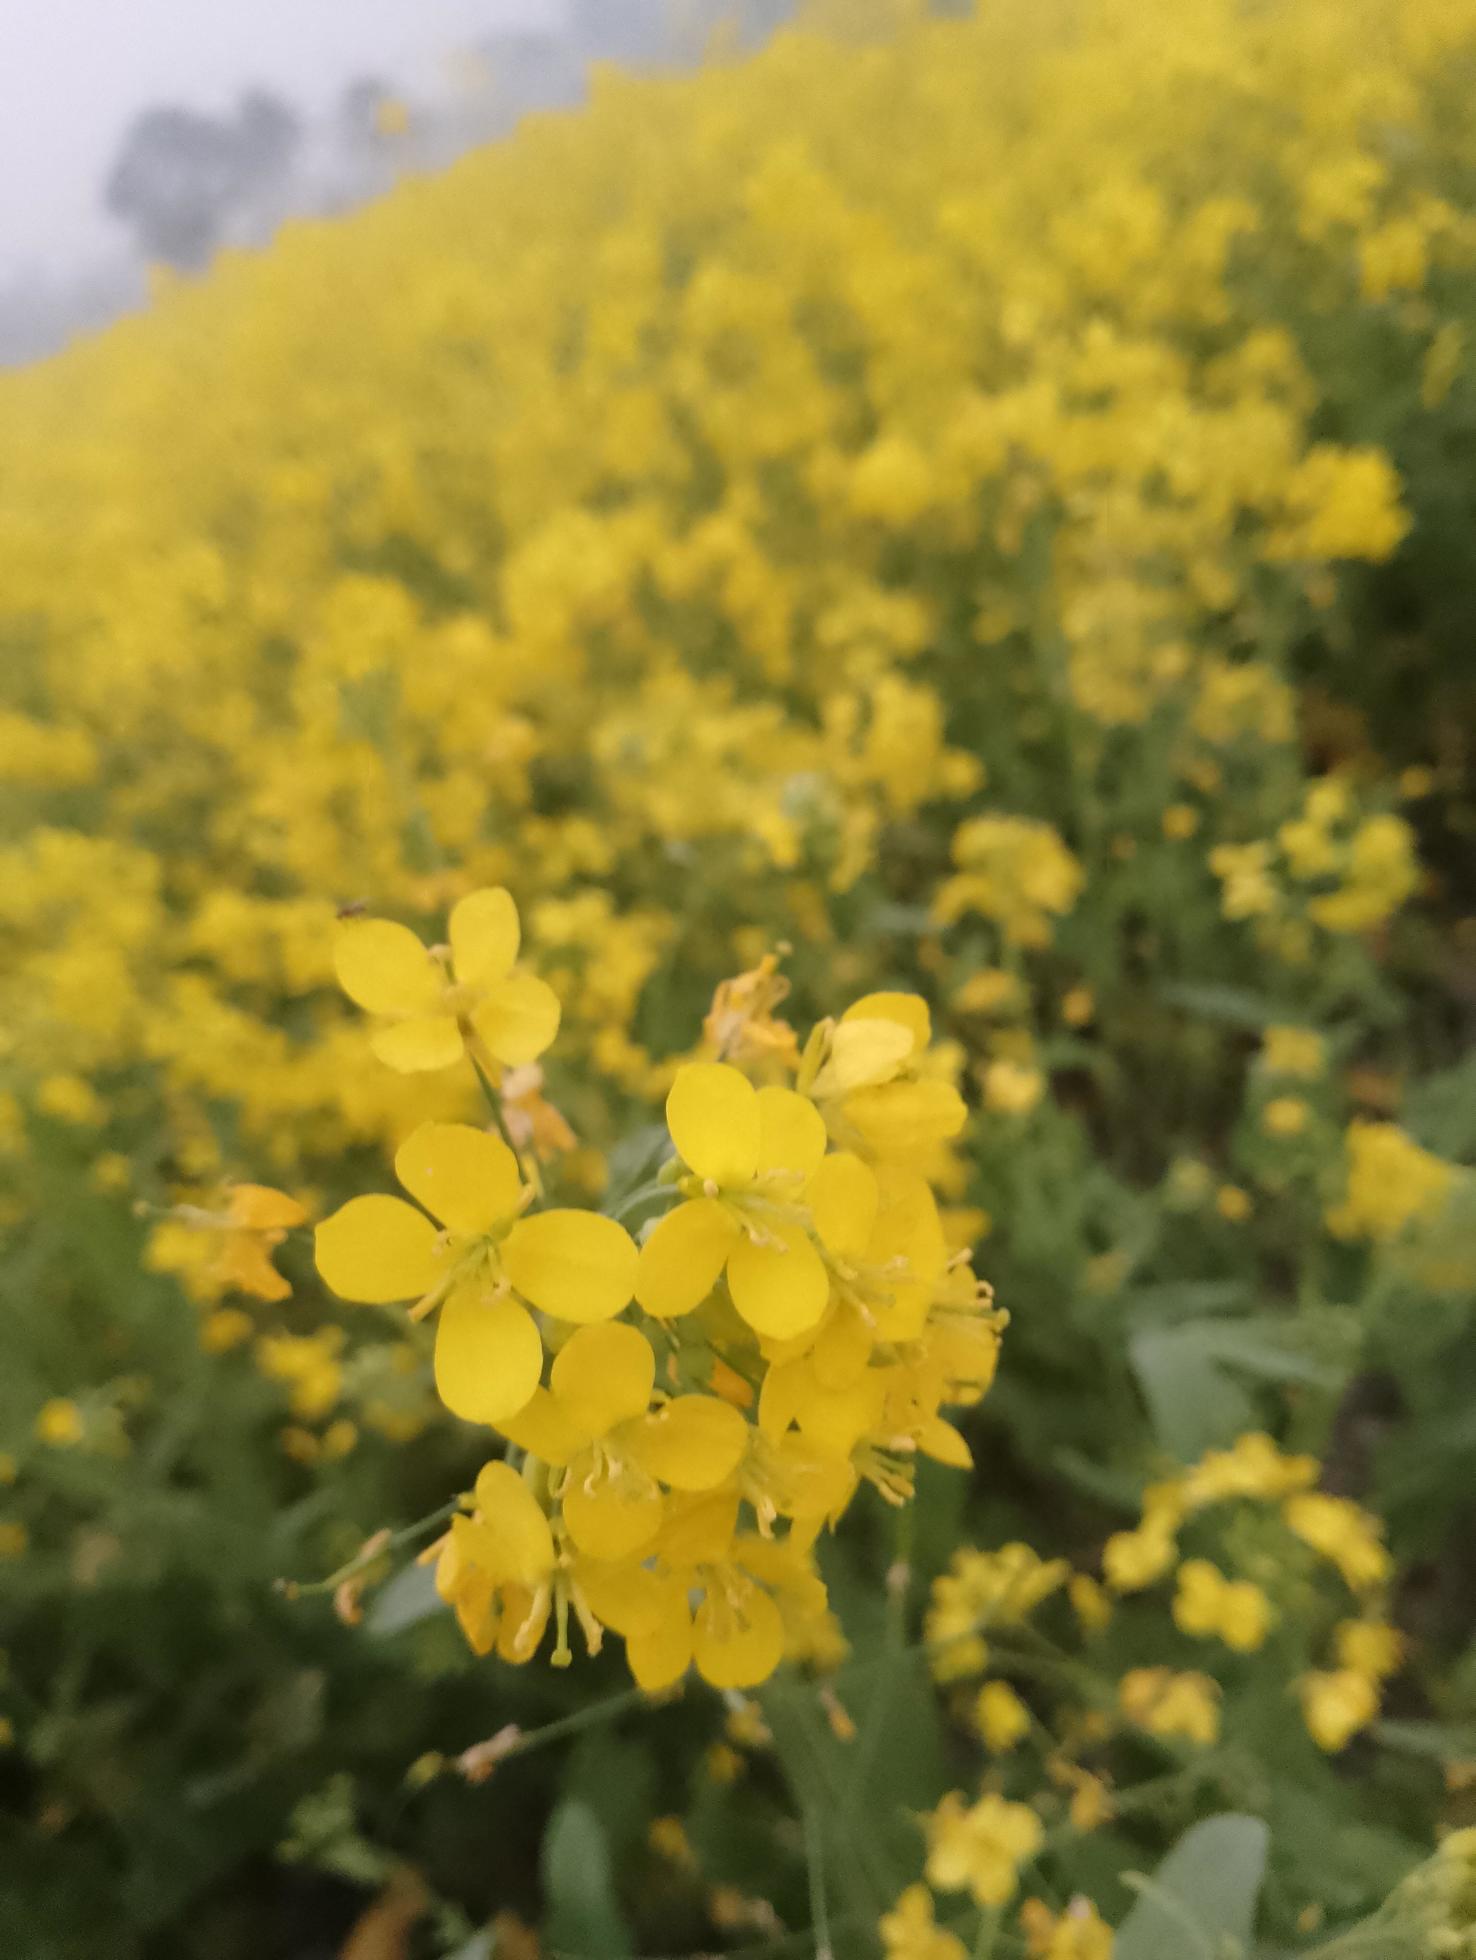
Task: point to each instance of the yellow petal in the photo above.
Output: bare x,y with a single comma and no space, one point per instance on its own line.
544,1430
385,968
517,1542
843,1200
898,1119
258,1208
713,1116
484,937
379,1249
909,1236
862,1052
424,1041
737,1635
465,1177
692,1443
659,1657
629,1598
604,1375
909,1011
791,1131
842,1349
518,1019
835,1420
609,1519
780,1289
488,1357
576,1265
698,1529
680,1262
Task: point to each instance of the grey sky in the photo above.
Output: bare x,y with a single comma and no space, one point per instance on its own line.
73,72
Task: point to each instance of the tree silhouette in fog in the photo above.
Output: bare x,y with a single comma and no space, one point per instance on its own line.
183,179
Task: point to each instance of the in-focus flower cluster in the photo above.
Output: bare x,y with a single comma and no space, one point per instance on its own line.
686,1415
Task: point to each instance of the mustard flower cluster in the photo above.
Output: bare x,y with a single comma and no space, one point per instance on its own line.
686,1415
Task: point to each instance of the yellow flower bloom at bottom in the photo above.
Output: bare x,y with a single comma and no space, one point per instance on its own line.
909,1932
981,1847
1166,1703
484,1270
1336,1705
427,1016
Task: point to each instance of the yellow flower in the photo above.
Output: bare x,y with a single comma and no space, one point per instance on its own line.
982,1590
226,1328
1002,1718
981,1847
908,1931
741,1025
14,1539
1233,1204
1091,1604
749,1155
427,1015
1340,1532
1207,1603
594,1423
1369,1647
257,1219
1012,1090
1252,1467
1392,1183
1169,1703
483,1270
1294,1051
60,1423
1078,1933
1285,1116
1132,1560
1336,1705
495,1567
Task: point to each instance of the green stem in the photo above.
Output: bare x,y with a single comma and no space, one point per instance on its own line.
815,1868
367,1555
493,1100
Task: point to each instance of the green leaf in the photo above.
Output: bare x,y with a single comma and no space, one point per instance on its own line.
404,1601
1236,1005
583,1916
1188,1376
1192,1403
1202,1896
1443,1741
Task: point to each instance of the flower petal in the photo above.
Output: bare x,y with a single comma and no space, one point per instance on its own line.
424,1041
258,1208
661,1655
516,1541
518,1019
609,1519
484,937
463,1176
384,967
680,1262
379,1249
780,1289
692,1443
907,1010
488,1356
713,1115
843,1199
603,1375
544,1430
791,1131
737,1635
576,1265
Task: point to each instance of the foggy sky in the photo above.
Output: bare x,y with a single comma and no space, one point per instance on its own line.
74,72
